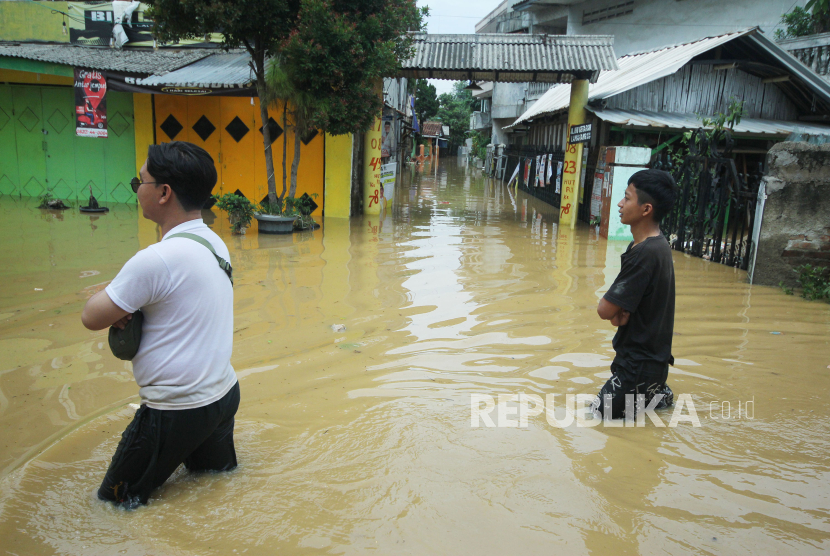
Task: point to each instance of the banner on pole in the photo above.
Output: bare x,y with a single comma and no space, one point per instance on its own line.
90,103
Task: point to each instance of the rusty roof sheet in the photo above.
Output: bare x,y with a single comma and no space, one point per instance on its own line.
431,129
507,57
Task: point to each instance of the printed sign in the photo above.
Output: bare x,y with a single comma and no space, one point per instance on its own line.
90,103
387,184
580,133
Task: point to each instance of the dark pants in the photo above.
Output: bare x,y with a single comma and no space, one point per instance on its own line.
647,380
158,441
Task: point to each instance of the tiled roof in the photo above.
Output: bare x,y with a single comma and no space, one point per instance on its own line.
103,58
510,57
431,129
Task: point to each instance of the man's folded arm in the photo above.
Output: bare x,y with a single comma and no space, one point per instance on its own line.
101,312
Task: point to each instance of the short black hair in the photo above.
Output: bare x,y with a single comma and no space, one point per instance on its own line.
657,188
187,168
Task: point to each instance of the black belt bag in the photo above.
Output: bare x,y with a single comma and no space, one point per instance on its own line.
124,343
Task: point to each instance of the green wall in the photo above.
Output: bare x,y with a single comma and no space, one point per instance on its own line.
40,153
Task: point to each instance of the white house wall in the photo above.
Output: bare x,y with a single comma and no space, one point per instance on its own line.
657,23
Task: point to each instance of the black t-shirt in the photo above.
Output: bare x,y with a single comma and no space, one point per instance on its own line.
645,288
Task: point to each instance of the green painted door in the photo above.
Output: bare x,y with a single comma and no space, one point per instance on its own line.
9,178
119,147
31,144
89,168
59,116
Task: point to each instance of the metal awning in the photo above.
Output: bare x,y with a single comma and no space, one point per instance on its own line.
668,120
218,70
510,58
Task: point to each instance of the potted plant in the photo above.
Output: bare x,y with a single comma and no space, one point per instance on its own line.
240,211
275,217
302,207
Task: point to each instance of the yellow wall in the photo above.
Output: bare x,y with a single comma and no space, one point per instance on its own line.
14,76
143,110
241,164
338,175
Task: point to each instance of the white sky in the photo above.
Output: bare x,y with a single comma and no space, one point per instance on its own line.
455,16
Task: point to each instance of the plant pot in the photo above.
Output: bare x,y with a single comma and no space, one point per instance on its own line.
272,224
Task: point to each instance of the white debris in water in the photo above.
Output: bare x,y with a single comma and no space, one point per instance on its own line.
338,327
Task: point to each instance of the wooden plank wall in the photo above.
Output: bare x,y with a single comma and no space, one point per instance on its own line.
700,89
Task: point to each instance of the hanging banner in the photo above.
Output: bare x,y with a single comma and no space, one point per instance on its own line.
90,103
102,23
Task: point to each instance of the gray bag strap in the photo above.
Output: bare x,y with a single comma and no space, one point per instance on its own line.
223,264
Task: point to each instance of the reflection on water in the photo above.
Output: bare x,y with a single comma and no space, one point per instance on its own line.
361,439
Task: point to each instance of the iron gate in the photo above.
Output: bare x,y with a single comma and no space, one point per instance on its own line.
714,215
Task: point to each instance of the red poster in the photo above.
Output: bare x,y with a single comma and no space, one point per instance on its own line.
90,103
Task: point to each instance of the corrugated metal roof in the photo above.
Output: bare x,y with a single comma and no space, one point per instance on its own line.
635,70
125,60
690,121
226,69
510,57
431,129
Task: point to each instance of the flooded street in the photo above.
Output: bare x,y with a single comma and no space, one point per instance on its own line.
362,440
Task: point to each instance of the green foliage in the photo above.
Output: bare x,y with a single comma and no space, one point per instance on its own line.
813,18
340,50
49,201
454,111
713,127
274,208
814,281
426,101
301,208
334,51
239,209
788,291
480,142
44,200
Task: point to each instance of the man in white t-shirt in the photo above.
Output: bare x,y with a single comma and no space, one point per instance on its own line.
189,391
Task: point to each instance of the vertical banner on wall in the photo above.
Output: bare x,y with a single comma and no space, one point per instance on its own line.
387,184
90,103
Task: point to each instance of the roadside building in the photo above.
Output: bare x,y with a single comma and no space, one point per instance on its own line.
191,91
636,25
657,96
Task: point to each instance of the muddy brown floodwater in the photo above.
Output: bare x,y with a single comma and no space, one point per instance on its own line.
362,440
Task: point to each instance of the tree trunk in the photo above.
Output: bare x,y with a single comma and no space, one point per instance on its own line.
259,70
295,164
284,146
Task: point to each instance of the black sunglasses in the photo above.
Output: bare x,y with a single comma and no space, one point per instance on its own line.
135,183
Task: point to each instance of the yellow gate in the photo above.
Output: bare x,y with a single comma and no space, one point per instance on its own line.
229,129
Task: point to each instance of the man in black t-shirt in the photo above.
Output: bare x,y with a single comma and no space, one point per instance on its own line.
640,302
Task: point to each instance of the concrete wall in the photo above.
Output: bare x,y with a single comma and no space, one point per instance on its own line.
656,23
796,223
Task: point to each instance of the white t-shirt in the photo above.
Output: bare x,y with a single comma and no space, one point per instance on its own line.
184,359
